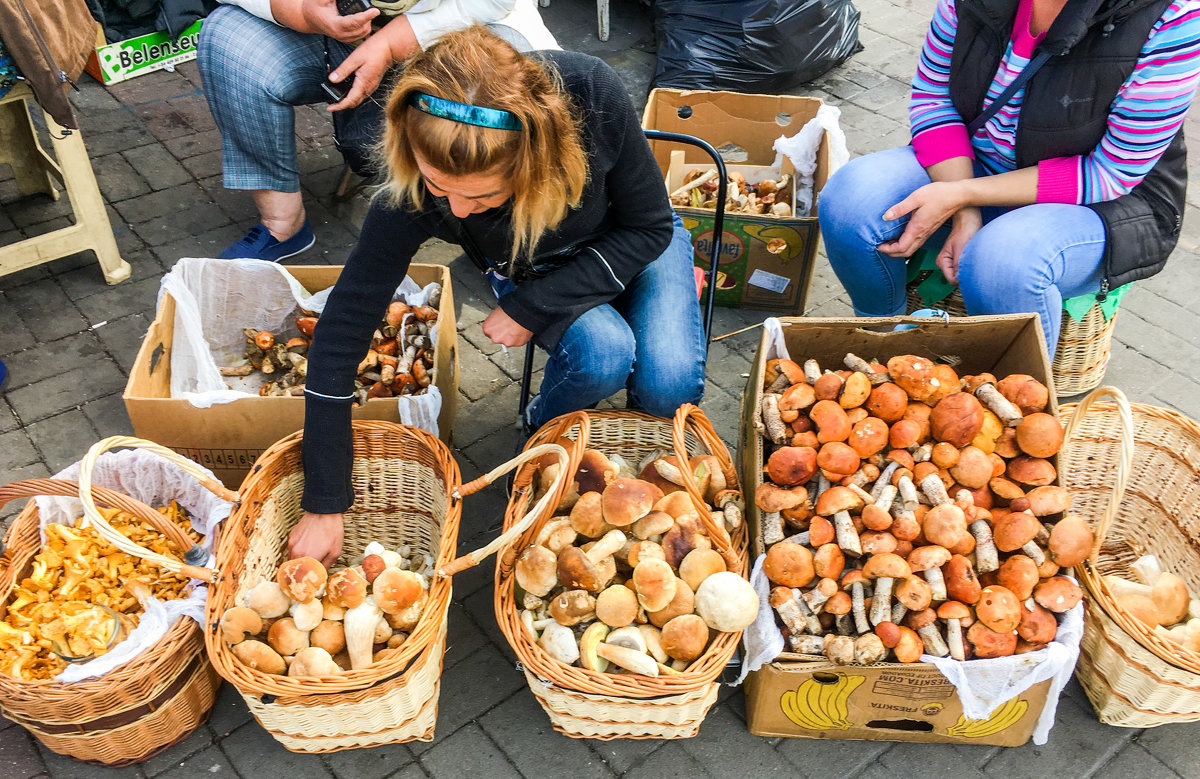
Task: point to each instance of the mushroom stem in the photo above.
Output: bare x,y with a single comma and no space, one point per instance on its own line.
1043,534
1122,587
937,583
922,453
629,659
847,536
772,528
885,478
841,623
799,538
1001,406
908,493
1147,568
780,383
856,363
987,559
806,645
932,640
1034,552
815,598
954,638
812,371
881,601
859,478
898,612
885,497
858,608
733,506
703,178
860,492
935,490
822,485
794,612
776,429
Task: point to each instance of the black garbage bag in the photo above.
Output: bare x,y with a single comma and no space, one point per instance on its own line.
751,45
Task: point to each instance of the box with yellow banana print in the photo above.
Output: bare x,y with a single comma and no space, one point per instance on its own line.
887,702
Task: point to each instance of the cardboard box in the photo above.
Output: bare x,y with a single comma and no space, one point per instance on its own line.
889,701
754,277
112,63
228,437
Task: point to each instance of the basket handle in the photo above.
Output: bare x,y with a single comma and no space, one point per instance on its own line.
28,488
1124,464
690,415
547,501
194,556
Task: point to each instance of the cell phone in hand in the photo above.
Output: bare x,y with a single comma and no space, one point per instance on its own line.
337,92
351,7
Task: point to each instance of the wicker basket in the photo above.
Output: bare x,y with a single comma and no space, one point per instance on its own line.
589,704
408,487
1083,347
140,708
1134,677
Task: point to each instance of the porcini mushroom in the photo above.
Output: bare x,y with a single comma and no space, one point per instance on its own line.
654,582
239,623
259,656
536,570
956,616
726,602
268,600
302,578
925,623
559,642
579,570
884,569
624,501
685,637
929,561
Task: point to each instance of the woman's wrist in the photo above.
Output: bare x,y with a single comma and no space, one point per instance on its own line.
401,40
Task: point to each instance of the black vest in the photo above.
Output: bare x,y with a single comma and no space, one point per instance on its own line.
1094,46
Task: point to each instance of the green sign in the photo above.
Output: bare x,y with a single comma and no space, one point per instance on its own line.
153,51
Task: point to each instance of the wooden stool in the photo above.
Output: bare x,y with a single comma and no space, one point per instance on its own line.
36,171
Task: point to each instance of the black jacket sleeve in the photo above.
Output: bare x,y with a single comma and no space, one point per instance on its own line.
376,266
639,216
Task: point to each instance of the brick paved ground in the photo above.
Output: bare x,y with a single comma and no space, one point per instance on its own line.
69,341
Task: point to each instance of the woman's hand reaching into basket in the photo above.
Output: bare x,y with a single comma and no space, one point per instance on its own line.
318,536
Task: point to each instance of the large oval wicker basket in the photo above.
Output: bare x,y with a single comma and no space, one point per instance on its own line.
589,704
1133,676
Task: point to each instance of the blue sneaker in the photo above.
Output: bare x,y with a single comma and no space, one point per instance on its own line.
259,244
3,372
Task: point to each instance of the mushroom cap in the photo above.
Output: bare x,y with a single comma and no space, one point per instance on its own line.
268,600
682,603
1037,625
956,419
945,525
919,413
838,603
868,436
998,608
831,421
915,593
888,402
313,661
828,561
557,534
889,633
876,541
792,465
886,565
576,571
285,638
837,499
820,532
396,590
617,606
654,581
636,551
925,557
685,637
559,642
1140,607
919,619
962,584
680,540
973,468
827,386
771,497
1024,392
944,455
536,570
855,390
868,649
587,516
259,656
1048,500
1018,574
1040,434
240,622
625,501
952,609
875,517
1005,490
302,578
653,524
1070,541
797,397
726,602
990,643
908,647
1170,596
571,607
679,504
1031,471
346,588
838,457
595,471
1014,530
915,375
904,433
330,635
698,565
593,636
372,566
789,564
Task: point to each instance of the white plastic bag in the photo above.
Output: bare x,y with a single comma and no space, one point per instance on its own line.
802,149
155,482
215,300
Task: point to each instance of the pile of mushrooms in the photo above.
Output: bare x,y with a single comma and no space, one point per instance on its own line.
308,622
770,197
624,579
907,509
1161,600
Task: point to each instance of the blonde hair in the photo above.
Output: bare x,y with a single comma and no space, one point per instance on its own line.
544,162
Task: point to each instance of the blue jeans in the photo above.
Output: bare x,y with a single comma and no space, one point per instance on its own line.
1025,259
648,341
254,72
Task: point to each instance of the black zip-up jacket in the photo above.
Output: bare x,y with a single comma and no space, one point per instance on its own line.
1094,46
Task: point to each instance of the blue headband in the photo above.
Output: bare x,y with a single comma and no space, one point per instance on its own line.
495,118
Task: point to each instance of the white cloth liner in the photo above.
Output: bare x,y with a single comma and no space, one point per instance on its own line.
216,299
982,685
802,148
154,481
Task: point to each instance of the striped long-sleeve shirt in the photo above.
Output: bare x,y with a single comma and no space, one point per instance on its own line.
1145,115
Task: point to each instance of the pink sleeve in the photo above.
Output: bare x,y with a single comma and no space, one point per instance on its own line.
1058,180
941,143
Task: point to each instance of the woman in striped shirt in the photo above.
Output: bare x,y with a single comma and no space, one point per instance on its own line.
1072,183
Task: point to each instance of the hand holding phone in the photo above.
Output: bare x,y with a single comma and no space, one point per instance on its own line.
351,7
336,93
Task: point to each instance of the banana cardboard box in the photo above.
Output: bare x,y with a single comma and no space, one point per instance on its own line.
766,262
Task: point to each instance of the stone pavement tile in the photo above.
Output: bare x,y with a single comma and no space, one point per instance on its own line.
133,297
19,758
157,167
725,748
118,180
622,754
209,764
469,427
1175,745
199,740
106,120
332,233
480,605
14,333
1166,346
8,421
118,139
814,756
229,712
162,120
160,85
1133,760
478,376
479,577
194,143
255,753
1138,376
721,408
1164,314
122,337
937,759
1181,394
88,279
16,450
1174,283
155,205
314,160
203,165
108,415
54,358
37,470
70,388
37,209
63,767
62,439
484,456
727,362
468,752
209,243
463,637
194,109
476,685
523,732
1078,745
669,762
373,763
410,771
